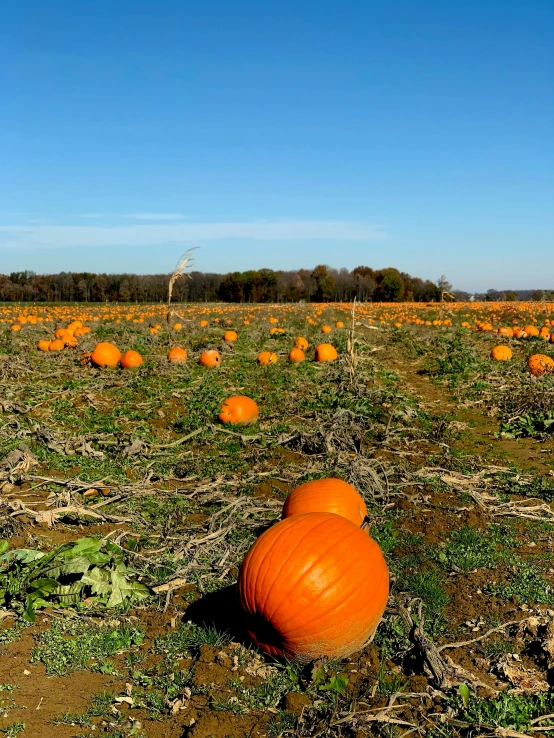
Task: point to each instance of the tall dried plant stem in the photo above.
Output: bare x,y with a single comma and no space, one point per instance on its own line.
185,262
350,346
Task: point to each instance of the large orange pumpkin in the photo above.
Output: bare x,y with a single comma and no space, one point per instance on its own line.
44,345
326,495
177,355
210,358
325,352
539,364
313,585
131,359
501,353
106,354
56,345
239,410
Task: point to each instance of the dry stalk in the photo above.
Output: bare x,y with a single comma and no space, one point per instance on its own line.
184,263
352,357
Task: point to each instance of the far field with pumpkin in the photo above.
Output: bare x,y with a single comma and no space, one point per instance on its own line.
277,520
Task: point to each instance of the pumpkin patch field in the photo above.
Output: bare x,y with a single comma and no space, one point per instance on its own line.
277,520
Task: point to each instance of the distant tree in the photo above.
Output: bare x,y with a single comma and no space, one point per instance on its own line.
511,296
443,284
323,284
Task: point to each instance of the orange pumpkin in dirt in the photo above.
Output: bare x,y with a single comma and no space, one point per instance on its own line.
326,495
16,327
210,359
311,586
106,355
326,352
296,355
204,324
230,336
266,357
131,359
239,410
339,324
501,353
506,332
540,364
301,343
86,358
176,355
178,327
544,333
56,345
326,329
44,345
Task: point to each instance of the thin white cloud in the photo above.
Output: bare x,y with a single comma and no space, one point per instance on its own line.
91,215
89,236
156,216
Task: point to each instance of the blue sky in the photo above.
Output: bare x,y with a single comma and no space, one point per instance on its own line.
280,134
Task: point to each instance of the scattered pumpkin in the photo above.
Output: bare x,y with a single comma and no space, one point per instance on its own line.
313,586
177,355
501,353
131,359
239,410
326,352
230,336
44,345
266,357
326,495
296,355
105,355
326,329
301,343
56,345
210,358
540,364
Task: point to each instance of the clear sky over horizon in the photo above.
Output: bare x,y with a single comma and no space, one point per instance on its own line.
418,135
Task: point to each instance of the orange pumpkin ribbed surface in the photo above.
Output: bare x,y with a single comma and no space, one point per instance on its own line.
131,359
296,355
301,343
531,330
313,585
176,355
326,495
230,336
56,345
325,352
239,410
539,364
44,345
266,357
106,354
210,358
501,353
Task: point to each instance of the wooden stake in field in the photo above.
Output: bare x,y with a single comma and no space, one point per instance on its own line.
352,359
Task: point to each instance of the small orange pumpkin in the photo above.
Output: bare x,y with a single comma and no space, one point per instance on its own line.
177,355
106,354
239,410
296,355
326,352
301,343
326,329
326,495
56,345
339,324
210,359
266,357
131,359
204,324
230,336
313,585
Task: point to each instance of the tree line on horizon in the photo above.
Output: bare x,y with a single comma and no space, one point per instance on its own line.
322,284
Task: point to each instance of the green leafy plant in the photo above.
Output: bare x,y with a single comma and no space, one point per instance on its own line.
68,576
529,425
